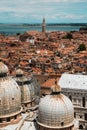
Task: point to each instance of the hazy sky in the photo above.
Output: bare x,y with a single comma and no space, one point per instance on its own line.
32,11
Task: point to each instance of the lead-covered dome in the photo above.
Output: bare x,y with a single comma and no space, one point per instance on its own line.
10,96
27,89
55,111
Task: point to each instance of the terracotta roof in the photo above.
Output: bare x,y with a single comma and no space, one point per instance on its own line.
49,83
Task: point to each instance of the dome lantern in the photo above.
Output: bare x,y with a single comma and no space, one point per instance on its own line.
56,88
19,73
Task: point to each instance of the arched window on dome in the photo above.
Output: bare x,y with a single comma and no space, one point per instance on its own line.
8,119
15,117
13,98
62,123
0,101
75,114
0,120
70,97
81,127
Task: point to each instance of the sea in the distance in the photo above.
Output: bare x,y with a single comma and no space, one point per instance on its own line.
13,29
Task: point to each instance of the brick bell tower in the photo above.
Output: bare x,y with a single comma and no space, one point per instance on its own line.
43,25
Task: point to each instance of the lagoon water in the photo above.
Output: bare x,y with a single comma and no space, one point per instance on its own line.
10,29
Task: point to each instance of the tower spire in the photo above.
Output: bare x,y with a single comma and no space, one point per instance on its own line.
44,25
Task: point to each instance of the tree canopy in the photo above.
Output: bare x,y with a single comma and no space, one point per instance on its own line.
82,47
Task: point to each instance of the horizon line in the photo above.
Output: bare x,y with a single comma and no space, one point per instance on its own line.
47,23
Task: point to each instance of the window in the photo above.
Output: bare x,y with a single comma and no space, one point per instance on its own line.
70,97
0,120
8,119
86,116
75,114
83,101
62,123
12,98
25,105
81,116
80,127
0,101
15,117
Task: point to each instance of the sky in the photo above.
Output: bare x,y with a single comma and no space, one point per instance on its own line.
33,11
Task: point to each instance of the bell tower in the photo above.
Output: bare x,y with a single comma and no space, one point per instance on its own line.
43,25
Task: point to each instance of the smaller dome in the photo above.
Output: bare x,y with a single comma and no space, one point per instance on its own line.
19,72
27,88
3,68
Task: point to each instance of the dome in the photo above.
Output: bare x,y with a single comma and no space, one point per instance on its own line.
55,111
3,68
27,88
28,93
10,96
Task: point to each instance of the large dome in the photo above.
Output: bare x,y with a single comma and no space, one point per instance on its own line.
10,96
55,111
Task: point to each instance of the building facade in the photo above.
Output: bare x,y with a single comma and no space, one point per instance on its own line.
75,87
